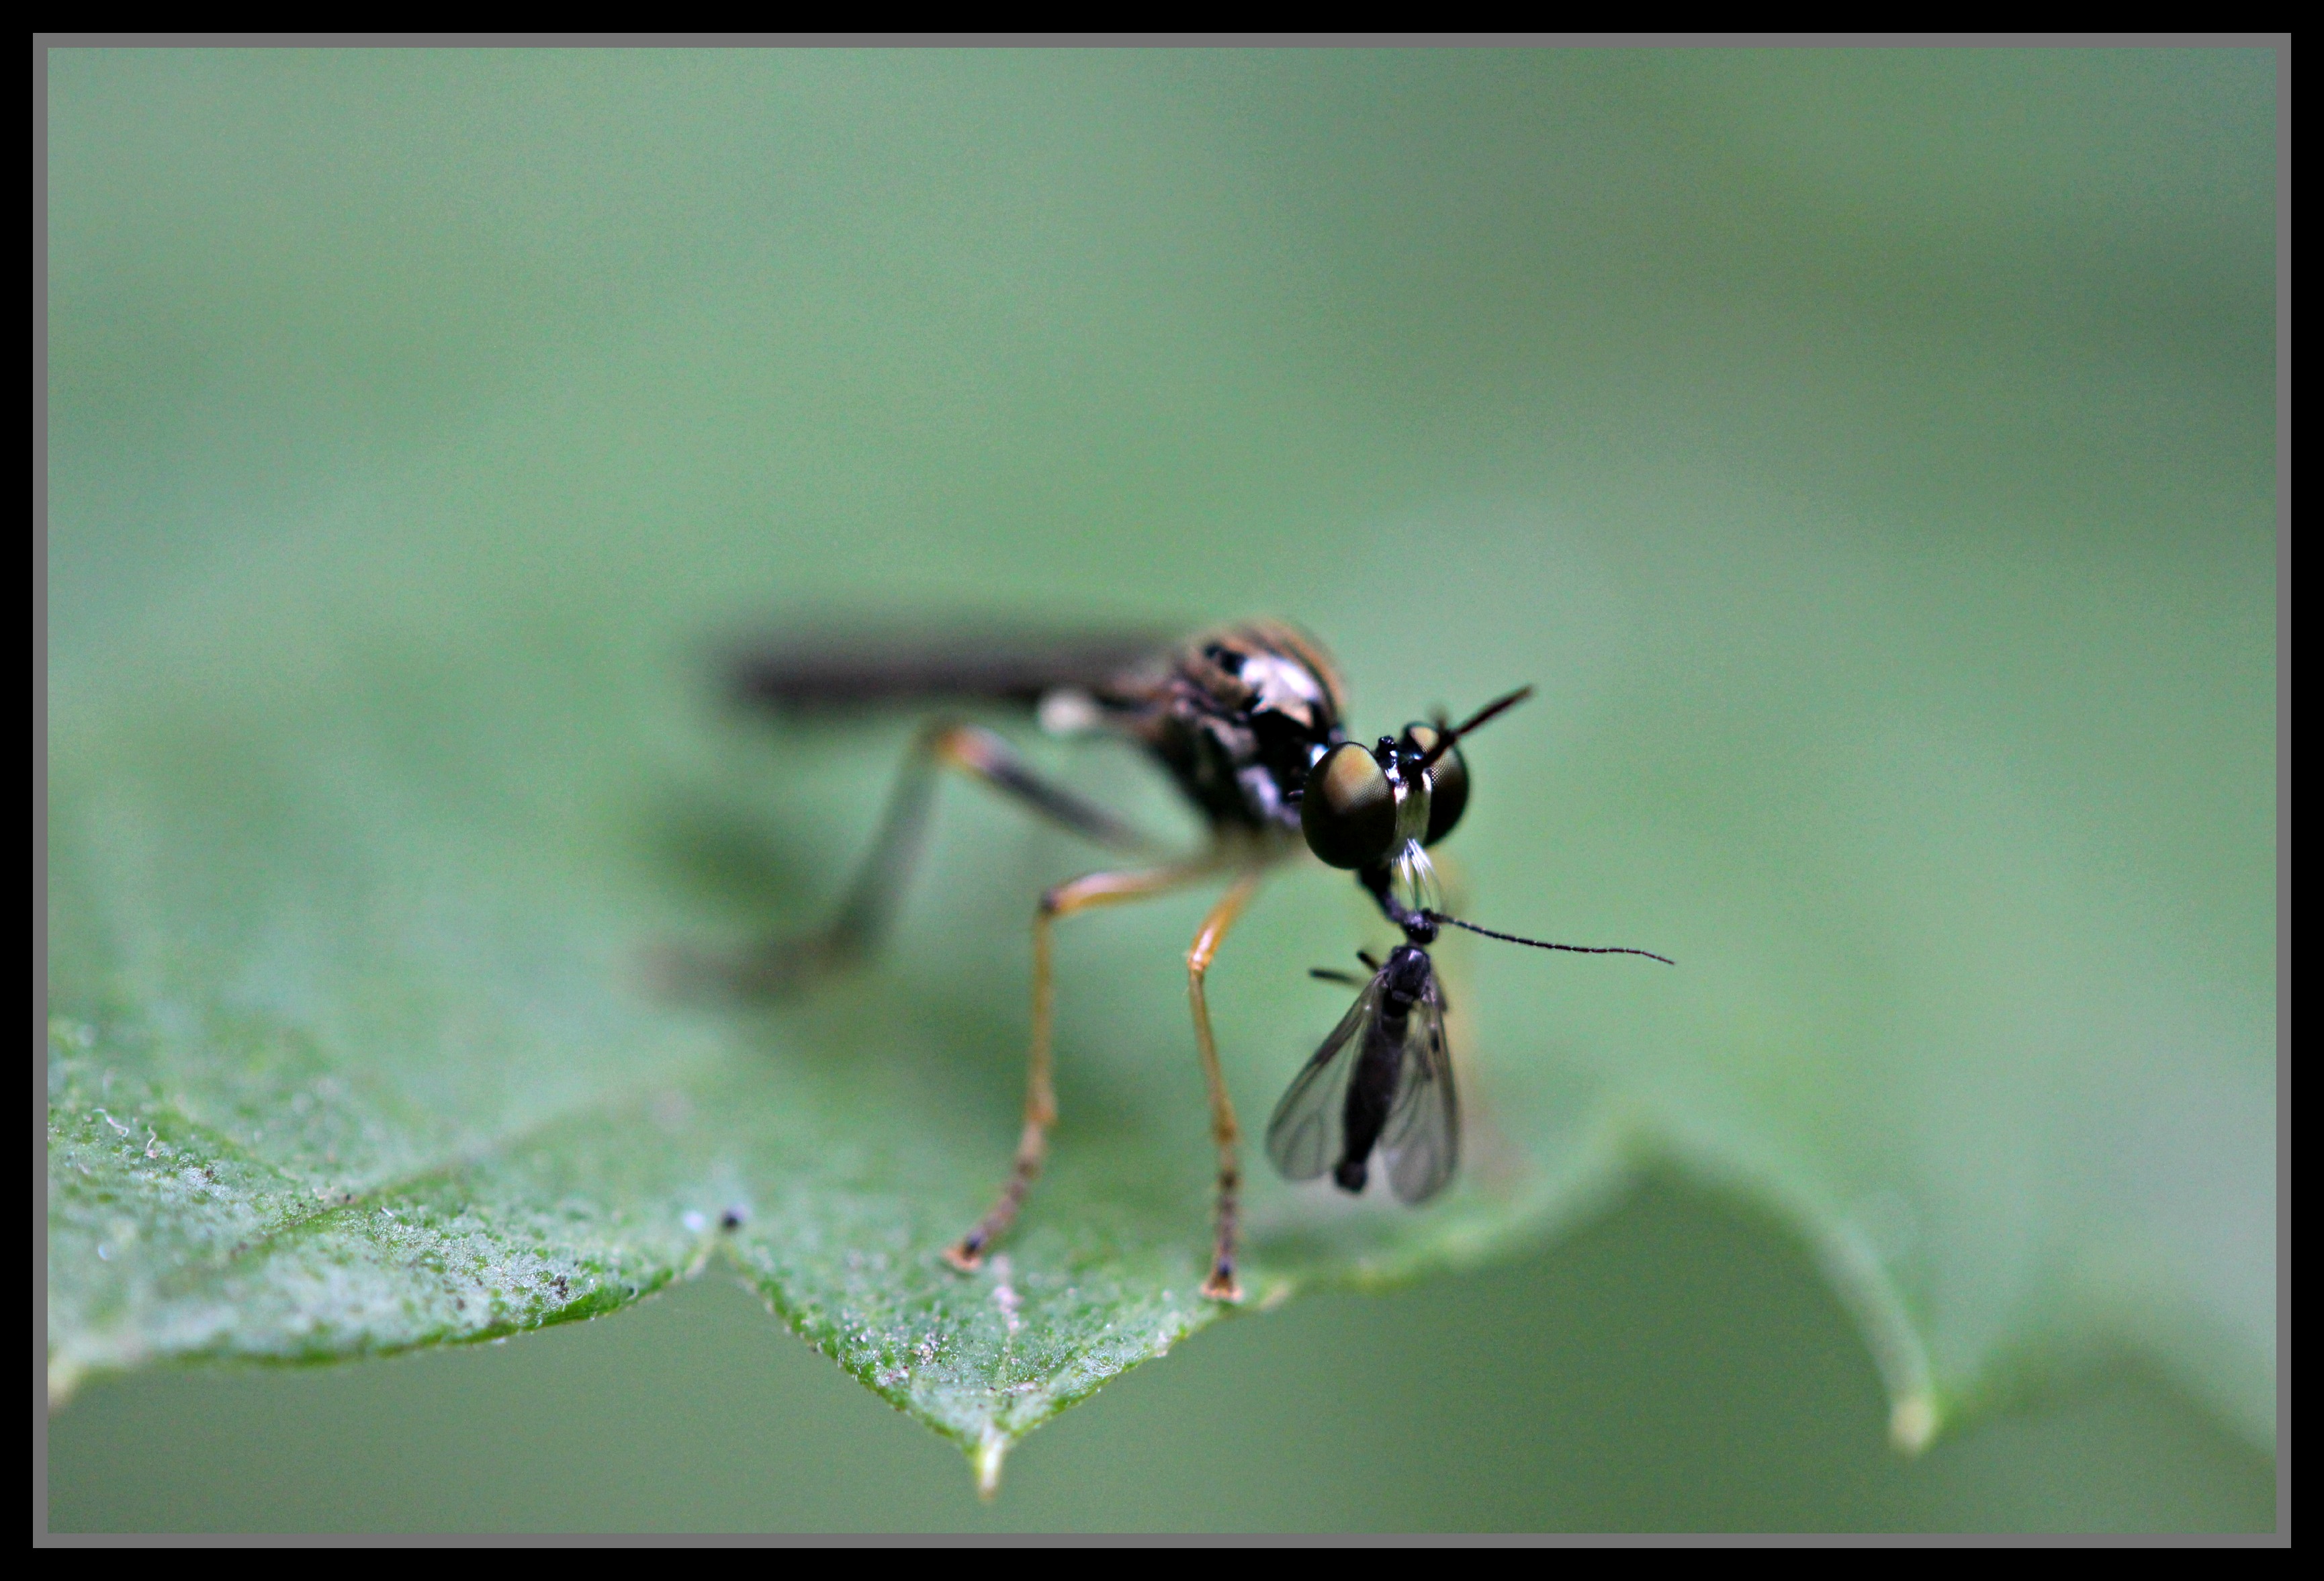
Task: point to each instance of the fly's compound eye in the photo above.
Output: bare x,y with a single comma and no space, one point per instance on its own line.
1449,781
1348,809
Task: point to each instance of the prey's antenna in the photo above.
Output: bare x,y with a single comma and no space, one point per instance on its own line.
1438,916
1444,739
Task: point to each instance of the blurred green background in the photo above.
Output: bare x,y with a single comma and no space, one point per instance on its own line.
1870,453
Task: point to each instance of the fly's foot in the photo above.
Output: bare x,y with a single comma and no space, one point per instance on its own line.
1222,1286
968,1255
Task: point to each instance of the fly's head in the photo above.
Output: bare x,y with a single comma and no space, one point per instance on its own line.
1378,809
1380,806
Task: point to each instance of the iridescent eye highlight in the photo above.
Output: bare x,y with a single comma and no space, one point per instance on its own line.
1449,778
1348,809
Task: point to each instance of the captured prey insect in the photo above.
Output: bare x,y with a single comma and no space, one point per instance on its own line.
1246,720
1384,1077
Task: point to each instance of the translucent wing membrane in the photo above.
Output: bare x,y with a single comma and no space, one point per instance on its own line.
1422,1143
1384,1080
1305,1136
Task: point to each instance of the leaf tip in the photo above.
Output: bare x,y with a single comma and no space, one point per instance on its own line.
1912,1421
985,1460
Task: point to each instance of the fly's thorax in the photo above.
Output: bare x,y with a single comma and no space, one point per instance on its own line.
1245,714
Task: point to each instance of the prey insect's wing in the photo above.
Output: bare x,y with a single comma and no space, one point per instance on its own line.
1308,1131
1422,1143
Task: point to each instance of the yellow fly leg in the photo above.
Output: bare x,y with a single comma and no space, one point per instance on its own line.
1083,894
1222,1284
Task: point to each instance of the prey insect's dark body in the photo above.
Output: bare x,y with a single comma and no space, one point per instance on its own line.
1382,1079
1247,721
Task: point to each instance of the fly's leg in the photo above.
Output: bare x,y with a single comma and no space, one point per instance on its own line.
783,965
1062,900
981,756
1222,1285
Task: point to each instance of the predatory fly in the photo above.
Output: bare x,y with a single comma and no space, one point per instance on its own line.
1246,720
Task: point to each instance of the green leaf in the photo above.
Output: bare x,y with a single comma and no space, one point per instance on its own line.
1906,674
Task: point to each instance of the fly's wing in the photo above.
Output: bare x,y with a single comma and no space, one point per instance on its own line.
823,668
1422,1143
1305,1136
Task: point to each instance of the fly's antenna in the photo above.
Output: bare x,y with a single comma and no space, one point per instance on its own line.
1438,916
1445,737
